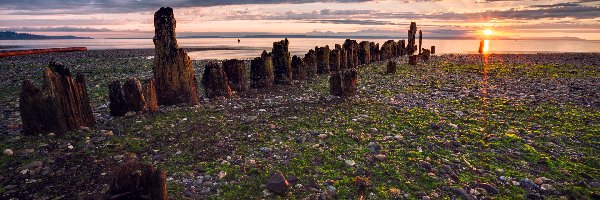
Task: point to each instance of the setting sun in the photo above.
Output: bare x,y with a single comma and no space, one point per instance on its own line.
488,32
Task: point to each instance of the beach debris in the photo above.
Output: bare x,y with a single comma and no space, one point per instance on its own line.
215,81
364,53
277,183
334,60
344,83
412,32
298,68
391,67
261,71
282,66
322,59
61,105
134,180
131,97
310,60
412,60
172,68
236,74
351,47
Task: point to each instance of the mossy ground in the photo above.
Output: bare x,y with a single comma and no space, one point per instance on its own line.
503,133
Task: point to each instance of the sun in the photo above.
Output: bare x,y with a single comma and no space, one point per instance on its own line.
488,32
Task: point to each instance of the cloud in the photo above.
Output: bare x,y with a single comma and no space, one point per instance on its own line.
57,29
126,6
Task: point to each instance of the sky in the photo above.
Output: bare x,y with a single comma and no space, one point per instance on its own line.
437,18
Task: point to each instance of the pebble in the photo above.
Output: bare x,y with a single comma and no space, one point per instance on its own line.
322,136
130,114
380,157
8,152
398,137
538,181
425,198
10,187
529,185
331,188
265,149
595,184
222,174
350,163
548,187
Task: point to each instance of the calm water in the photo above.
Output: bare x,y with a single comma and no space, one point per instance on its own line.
252,47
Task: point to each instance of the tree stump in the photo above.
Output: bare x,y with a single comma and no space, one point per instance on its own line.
131,97
172,68
374,52
61,105
412,60
364,53
282,64
344,83
137,181
310,60
391,67
261,71
236,74
298,68
215,81
322,59
412,32
334,60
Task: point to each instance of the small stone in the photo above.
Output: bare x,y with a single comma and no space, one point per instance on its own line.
547,187
374,130
222,174
349,131
488,188
8,152
322,136
427,166
108,133
425,198
331,188
380,157
86,129
130,114
350,163
265,149
462,193
277,183
529,185
69,146
454,126
10,187
538,181
595,184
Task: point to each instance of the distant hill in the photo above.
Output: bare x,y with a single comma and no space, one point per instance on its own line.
10,35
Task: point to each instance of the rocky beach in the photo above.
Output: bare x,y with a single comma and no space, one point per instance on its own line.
527,125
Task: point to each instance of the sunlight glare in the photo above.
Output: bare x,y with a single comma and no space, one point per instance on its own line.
488,32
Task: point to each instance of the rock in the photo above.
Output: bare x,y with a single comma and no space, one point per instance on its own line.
529,185
538,181
391,67
172,68
261,71
533,196
331,188
134,180
350,163
425,198
322,136
222,174
236,73
595,184
282,66
344,83
265,149
31,166
298,68
61,105
322,59
310,60
547,187
8,152
129,114
215,81
9,187
488,188
462,193
380,157
277,183
426,166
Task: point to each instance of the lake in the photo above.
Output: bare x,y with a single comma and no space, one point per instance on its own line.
252,47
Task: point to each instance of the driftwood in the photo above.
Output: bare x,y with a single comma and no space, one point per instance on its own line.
61,105
172,68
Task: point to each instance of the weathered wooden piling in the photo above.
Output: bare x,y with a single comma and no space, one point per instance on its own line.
282,63
298,68
344,83
322,59
215,81
236,72
310,60
261,71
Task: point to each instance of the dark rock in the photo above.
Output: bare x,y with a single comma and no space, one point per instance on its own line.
310,60
282,64
488,188
173,71
462,193
215,81
278,184
344,83
236,74
60,106
299,68
322,59
426,166
134,180
261,71
533,196
529,185
391,67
